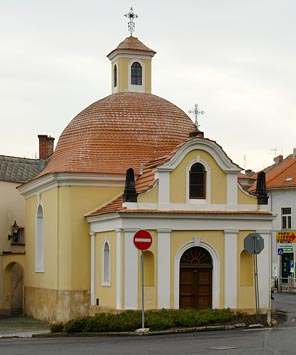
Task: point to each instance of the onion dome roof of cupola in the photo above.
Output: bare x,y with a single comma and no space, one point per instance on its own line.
120,131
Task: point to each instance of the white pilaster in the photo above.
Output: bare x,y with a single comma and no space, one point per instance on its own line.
163,262
92,268
264,271
230,266
118,269
130,271
231,190
164,187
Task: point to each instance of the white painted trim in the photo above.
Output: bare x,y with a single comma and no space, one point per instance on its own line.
231,189
215,273
92,268
118,269
230,268
114,88
130,272
39,240
164,187
136,88
50,181
207,200
208,146
104,282
163,269
131,55
264,271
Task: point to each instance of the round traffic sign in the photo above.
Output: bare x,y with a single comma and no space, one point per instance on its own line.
142,240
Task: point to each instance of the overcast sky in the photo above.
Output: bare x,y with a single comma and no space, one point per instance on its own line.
236,59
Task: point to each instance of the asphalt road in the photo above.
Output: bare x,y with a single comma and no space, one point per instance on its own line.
281,339
255,342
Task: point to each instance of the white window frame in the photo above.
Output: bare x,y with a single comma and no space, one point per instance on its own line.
136,88
208,180
106,263
39,240
287,217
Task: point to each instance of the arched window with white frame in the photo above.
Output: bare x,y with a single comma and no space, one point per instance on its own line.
136,74
106,264
115,76
39,245
197,181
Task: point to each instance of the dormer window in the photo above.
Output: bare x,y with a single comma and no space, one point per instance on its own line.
136,74
197,182
115,75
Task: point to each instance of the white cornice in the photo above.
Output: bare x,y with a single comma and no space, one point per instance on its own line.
50,181
210,147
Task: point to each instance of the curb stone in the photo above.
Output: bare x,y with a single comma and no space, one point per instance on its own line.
149,333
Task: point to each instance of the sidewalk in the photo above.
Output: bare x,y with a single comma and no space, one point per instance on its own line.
26,327
21,326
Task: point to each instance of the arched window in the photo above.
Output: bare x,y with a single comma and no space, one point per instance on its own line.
106,264
136,74
197,182
39,248
115,75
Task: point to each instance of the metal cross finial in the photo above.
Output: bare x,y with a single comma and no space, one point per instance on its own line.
131,16
196,113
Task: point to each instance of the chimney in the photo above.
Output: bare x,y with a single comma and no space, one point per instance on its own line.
278,159
45,146
294,152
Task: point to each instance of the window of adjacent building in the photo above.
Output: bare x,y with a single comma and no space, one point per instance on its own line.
115,75
197,182
136,74
286,214
39,248
106,264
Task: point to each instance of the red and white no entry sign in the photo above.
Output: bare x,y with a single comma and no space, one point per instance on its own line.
142,240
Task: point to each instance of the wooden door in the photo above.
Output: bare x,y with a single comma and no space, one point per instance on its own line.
196,279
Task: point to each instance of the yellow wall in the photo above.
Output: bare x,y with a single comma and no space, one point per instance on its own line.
151,196
122,74
66,230
246,296
106,294
150,290
178,179
245,199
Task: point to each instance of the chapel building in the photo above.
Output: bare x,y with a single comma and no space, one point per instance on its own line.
134,161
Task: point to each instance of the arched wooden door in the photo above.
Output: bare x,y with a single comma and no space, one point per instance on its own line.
196,279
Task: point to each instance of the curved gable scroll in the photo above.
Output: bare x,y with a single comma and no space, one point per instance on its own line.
211,147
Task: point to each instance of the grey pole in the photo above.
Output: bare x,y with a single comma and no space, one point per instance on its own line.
256,278
143,325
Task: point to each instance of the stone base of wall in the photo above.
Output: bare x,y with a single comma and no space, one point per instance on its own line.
56,306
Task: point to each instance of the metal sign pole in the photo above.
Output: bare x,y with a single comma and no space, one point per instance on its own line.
143,323
256,278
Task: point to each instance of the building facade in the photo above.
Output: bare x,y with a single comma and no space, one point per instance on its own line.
133,161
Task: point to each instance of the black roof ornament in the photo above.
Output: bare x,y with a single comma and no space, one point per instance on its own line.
261,192
130,193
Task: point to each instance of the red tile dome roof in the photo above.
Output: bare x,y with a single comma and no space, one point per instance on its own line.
118,132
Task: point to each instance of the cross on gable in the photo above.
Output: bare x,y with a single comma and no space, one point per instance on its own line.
196,112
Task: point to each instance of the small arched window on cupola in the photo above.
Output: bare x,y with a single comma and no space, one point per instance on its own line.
136,74
197,182
115,76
